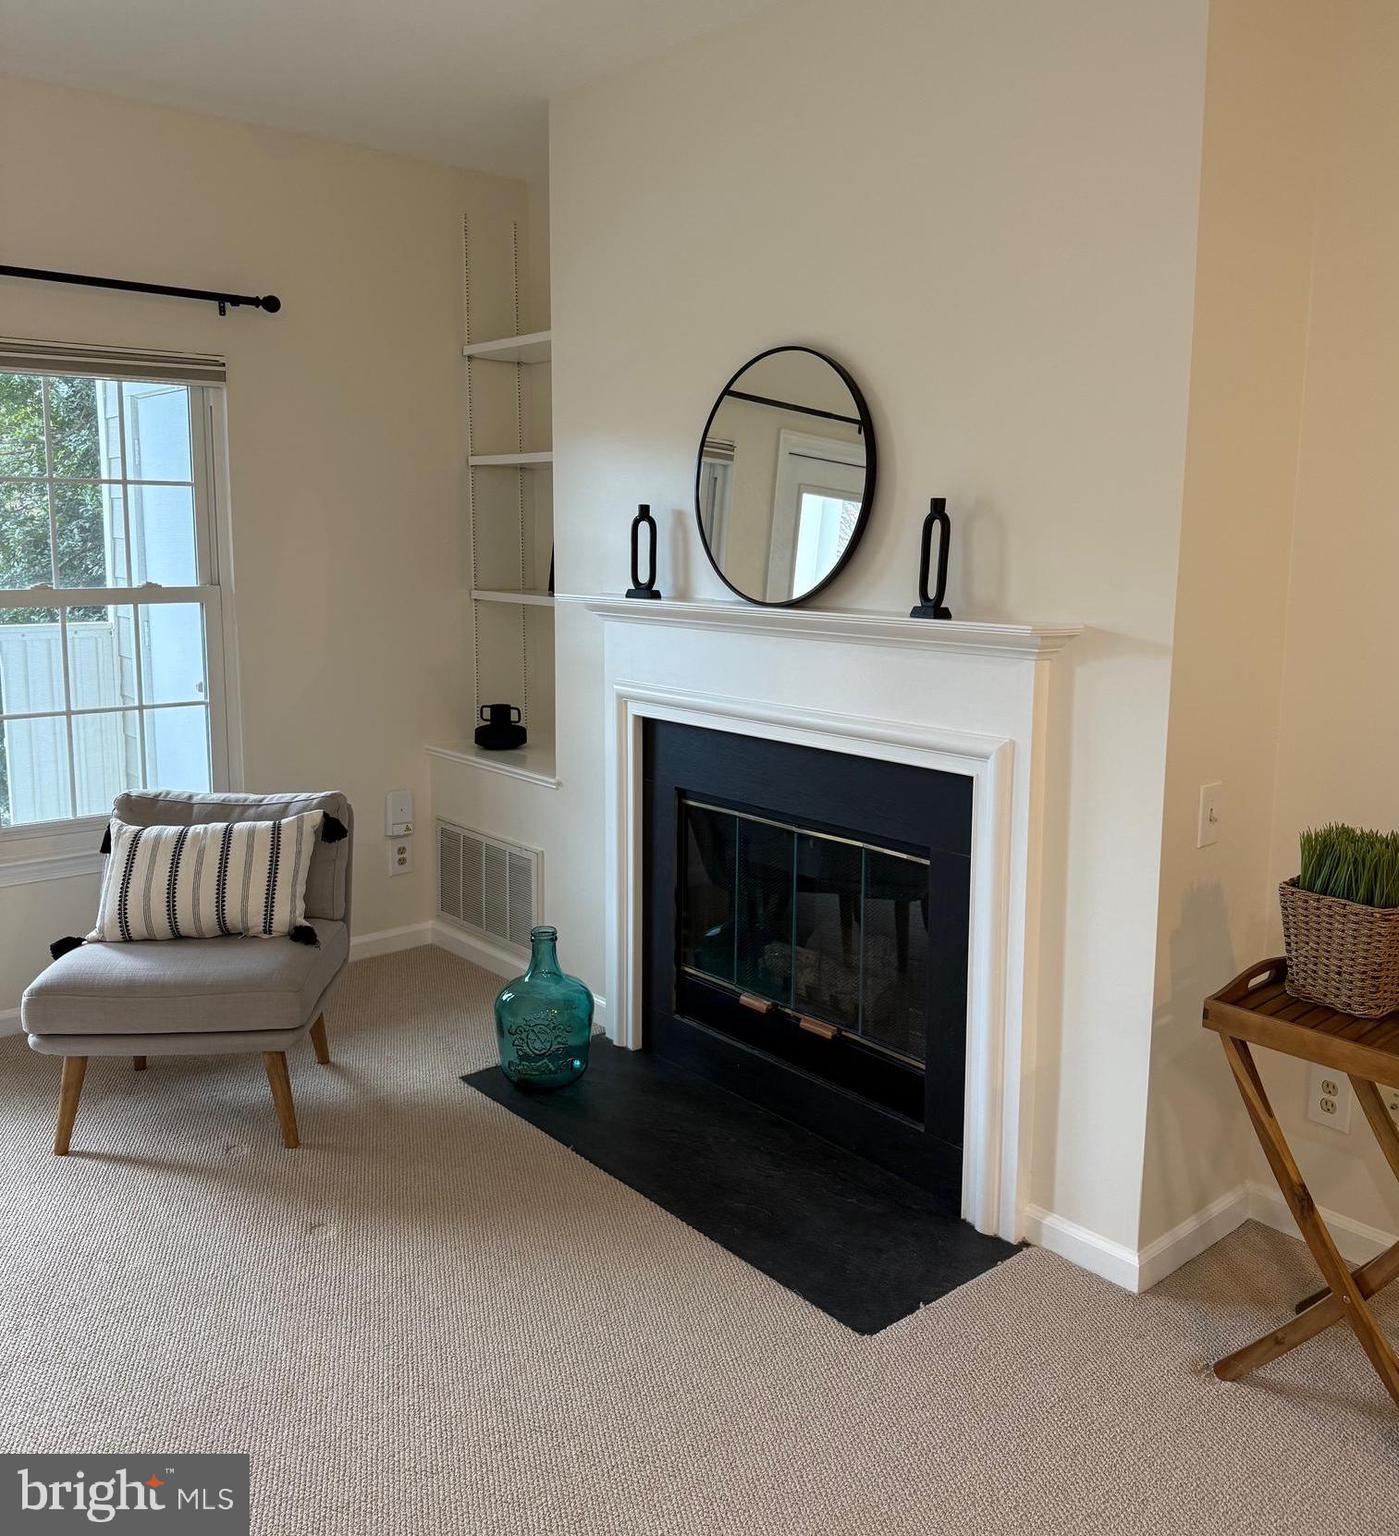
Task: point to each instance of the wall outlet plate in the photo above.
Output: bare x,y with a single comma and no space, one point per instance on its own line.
1329,1098
401,856
1390,1099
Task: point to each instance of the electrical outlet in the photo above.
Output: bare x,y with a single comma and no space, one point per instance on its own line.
1329,1098
1390,1097
1211,810
401,856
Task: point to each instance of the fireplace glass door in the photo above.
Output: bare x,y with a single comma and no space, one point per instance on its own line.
829,930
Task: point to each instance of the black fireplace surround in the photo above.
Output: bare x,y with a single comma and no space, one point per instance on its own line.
806,924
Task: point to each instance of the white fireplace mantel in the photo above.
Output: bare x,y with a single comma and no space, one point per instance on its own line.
848,626
951,696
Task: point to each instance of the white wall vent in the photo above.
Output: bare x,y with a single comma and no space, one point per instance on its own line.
488,885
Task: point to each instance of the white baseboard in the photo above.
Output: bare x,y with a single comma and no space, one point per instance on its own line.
1189,1239
1089,1250
387,941
494,958
1139,1269
1357,1240
9,1022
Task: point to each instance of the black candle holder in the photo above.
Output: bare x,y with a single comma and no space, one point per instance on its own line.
640,588
931,606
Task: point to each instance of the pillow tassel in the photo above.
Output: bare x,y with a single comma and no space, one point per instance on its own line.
333,830
304,933
61,947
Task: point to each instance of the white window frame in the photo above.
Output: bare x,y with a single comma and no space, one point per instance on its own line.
66,847
798,454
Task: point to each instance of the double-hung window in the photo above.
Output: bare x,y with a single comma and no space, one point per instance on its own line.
111,609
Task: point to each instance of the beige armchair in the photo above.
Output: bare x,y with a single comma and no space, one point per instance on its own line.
197,997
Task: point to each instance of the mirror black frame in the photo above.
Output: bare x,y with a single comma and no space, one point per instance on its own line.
866,499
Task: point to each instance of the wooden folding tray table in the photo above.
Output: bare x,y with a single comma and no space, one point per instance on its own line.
1256,1008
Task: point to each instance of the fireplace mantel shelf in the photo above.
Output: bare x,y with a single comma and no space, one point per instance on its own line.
850,626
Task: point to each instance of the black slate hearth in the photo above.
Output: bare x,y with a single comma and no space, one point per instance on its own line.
852,1238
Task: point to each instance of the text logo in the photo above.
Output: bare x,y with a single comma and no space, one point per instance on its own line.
167,1495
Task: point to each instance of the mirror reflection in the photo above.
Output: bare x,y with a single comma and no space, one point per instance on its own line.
785,476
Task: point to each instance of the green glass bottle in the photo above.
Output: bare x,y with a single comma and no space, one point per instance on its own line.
544,1020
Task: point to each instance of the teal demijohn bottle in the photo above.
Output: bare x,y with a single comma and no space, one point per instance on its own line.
544,1020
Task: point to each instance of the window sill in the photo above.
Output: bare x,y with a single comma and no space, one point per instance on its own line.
30,855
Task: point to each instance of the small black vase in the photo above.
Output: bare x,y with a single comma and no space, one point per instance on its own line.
502,730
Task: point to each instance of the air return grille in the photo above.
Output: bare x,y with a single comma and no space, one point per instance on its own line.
486,884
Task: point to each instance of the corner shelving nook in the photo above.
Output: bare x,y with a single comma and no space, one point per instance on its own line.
510,490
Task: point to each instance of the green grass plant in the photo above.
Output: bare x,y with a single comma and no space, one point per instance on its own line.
1351,864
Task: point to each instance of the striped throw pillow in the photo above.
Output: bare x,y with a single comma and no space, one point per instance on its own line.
206,882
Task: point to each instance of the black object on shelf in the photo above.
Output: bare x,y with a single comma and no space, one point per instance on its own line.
931,606
502,730
640,588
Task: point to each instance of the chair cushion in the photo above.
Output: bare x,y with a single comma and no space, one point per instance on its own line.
211,1042
327,884
194,986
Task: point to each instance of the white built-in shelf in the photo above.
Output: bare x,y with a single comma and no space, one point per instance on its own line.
534,348
528,599
511,460
533,762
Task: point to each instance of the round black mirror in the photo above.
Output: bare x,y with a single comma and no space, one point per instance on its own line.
785,476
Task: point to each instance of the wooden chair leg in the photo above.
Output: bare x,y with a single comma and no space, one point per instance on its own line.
138,1063
276,1064
1333,1267
70,1086
319,1041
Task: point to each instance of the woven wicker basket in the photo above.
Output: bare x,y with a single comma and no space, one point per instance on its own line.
1339,953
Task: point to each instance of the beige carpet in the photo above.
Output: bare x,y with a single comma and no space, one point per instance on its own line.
433,1319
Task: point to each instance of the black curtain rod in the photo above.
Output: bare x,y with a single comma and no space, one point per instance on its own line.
268,301
789,405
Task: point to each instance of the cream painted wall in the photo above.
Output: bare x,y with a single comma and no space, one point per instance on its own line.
1253,284
1339,737
346,428
1001,222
